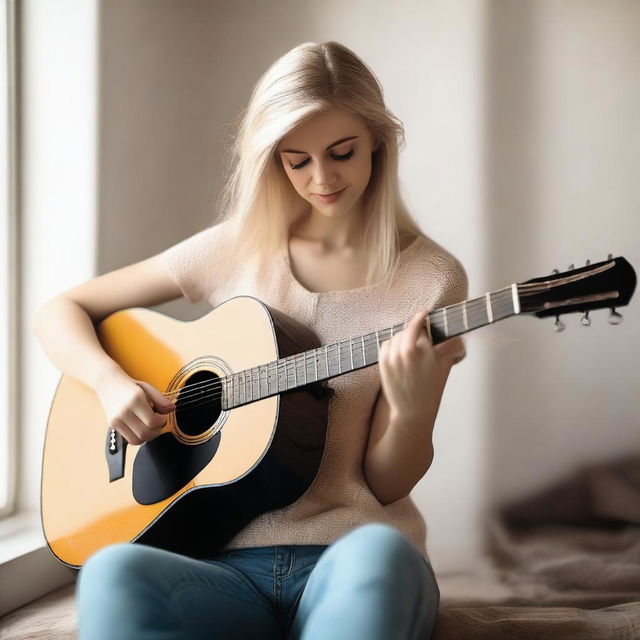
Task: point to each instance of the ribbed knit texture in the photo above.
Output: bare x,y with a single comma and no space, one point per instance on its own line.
339,499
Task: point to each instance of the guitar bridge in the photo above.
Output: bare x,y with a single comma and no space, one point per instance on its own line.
115,450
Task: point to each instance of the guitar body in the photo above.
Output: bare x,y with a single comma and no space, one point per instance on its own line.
210,471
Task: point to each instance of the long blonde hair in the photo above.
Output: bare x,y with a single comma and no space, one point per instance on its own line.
259,202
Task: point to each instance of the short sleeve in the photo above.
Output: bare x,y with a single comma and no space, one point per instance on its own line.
453,284
195,263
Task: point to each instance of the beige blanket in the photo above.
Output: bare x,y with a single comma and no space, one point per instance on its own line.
562,564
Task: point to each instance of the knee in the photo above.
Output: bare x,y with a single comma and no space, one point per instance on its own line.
114,563
381,544
381,538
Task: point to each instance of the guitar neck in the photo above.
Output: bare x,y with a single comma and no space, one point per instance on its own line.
338,358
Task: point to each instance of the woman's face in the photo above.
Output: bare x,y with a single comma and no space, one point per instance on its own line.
329,153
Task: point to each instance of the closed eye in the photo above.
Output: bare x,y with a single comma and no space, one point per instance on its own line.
343,157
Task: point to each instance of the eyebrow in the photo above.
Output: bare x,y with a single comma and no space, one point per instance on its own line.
333,144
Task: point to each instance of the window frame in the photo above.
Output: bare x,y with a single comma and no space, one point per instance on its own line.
10,337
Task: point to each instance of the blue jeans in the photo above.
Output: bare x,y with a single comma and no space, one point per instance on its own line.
369,584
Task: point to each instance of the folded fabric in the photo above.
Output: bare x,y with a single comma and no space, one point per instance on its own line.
563,563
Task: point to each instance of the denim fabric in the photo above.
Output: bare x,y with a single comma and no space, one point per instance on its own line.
370,584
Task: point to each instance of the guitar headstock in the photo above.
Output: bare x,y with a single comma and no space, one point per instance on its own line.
609,283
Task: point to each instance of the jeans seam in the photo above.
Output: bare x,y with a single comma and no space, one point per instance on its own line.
193,583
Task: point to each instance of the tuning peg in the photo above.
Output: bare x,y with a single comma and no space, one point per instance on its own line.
586,322
610,256
555,271
614,316
588,262
570,267
558,325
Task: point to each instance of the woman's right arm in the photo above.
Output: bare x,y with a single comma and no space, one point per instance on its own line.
65,327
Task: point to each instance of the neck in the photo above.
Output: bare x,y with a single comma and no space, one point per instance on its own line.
332,232
338,358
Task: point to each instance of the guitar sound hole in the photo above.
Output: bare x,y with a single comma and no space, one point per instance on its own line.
199,403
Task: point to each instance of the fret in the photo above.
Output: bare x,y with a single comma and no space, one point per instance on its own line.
489,309
295,372
378,341
515,299
326,359
256,383
446,321
264,390
480,313
292,360
364,355
456,319
351,352
273,374
464,315
339,360
315,362
503,303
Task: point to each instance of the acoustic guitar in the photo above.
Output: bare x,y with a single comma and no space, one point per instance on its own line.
248,432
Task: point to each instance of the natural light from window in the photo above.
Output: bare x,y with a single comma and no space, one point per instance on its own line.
7,418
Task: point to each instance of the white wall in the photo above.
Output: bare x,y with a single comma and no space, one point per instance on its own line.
561,172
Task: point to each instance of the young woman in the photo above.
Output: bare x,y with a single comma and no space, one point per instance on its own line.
312,224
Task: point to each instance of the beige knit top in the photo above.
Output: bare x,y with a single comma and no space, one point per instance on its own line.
339,498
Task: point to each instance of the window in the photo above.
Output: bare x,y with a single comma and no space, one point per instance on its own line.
8,263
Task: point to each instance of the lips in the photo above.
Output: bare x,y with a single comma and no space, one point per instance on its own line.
328,194
329,197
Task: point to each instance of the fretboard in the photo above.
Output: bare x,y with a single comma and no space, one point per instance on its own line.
344,356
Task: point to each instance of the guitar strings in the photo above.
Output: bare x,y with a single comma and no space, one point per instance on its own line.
198,388
193,394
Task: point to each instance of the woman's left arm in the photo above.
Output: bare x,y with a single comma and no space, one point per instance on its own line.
413,375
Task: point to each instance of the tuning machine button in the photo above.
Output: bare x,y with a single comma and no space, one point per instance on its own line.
558,325
586,321
571,267
614,316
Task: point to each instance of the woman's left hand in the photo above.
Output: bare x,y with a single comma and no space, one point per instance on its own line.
410,365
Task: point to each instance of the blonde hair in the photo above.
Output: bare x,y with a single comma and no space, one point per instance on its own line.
258,199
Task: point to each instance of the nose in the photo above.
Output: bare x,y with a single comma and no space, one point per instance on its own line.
324,176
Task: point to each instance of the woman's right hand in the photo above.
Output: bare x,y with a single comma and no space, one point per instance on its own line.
134,408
